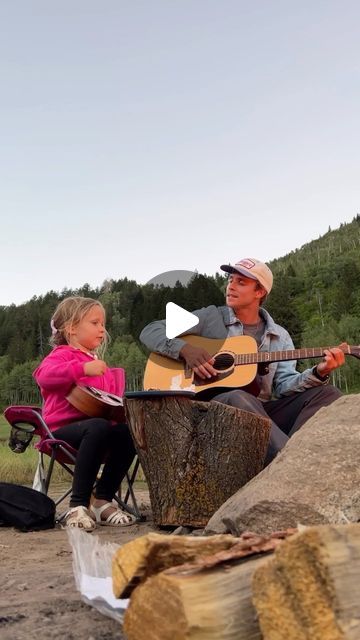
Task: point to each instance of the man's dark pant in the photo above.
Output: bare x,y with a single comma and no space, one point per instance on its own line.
287,414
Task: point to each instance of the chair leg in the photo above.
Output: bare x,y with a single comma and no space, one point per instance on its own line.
60,516
124,504
49,473
39,482
134,510
64,495
131,480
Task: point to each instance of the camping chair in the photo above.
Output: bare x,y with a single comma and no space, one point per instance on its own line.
26,422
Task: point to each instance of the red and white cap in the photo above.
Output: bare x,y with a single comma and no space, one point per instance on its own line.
252,268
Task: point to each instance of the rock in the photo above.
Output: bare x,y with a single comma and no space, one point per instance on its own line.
314,480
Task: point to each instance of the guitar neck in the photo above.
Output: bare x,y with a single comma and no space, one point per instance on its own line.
279,356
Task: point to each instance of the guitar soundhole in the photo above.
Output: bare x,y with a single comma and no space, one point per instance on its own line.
223,361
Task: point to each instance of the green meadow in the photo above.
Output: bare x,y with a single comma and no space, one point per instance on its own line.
20,468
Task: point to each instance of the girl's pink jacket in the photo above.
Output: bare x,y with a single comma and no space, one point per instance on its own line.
59,372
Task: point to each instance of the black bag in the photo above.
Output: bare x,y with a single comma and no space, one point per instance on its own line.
25,508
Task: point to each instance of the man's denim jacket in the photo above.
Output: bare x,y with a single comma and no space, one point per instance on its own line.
282,379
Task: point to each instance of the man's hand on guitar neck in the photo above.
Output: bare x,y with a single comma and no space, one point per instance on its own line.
333,358
199,360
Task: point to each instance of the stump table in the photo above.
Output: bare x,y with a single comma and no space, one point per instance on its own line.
194,454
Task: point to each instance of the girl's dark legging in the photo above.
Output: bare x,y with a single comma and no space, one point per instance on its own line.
97,441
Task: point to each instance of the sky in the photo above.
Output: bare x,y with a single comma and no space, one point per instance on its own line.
138,137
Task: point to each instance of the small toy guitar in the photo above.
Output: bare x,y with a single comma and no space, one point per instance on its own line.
96,403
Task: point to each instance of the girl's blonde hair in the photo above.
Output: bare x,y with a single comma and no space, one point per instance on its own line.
68,314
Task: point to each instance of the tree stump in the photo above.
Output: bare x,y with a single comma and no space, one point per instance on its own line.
194,454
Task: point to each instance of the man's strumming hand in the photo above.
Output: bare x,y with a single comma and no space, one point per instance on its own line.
199,360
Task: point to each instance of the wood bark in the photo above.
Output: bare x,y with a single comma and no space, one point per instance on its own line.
143,557
185,604
194,454
314,480
309,589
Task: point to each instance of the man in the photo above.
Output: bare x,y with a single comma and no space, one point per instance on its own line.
288,397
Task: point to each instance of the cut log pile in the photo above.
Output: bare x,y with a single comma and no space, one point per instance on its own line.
292,585
184,587
227,588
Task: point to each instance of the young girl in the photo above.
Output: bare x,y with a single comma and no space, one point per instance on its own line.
78,328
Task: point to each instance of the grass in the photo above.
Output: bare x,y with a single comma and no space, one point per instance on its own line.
20,468
4,429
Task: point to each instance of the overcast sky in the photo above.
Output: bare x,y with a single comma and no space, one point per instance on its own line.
139,137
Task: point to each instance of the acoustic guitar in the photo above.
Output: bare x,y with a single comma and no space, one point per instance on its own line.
96,403
236,363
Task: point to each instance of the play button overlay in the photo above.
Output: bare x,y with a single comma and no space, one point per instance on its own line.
178,320
168,297
171,278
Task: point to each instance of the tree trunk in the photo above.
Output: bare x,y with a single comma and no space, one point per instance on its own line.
309,590
194,454
315,479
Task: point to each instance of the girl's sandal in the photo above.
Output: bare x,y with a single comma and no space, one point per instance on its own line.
117,518
80,517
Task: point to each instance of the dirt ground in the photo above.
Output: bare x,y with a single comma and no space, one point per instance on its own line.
38,596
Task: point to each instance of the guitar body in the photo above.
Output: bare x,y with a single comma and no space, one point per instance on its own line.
236,363
164,373
96,403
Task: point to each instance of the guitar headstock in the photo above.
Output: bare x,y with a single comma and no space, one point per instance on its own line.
355,351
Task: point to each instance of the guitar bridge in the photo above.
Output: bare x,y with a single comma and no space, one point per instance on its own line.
220,376
188,372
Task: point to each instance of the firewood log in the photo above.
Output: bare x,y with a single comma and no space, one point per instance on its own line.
309,589
207,598
214,604
143,557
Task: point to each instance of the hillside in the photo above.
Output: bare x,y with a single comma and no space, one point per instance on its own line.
316,295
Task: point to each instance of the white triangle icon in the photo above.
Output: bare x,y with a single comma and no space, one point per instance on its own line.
178,320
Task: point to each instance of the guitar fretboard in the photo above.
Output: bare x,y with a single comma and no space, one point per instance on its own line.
278,356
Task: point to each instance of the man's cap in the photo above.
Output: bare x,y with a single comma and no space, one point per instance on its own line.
252,268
